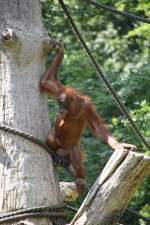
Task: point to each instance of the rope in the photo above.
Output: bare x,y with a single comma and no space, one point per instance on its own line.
28,137
121,13
55,213
58,160
102,76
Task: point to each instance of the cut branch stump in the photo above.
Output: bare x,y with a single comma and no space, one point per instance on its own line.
68,191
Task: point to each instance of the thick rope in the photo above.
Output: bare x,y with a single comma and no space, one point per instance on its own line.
102,76
118,12
58,160
28,137
55,213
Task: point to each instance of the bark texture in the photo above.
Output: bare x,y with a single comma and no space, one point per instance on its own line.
113,189
26,170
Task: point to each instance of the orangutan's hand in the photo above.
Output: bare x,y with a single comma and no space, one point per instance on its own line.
129,147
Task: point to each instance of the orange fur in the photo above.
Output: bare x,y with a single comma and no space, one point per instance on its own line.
76,113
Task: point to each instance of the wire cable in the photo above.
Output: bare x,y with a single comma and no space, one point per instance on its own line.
131,211
102,76
118,12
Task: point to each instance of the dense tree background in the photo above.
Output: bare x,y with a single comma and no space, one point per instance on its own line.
122,48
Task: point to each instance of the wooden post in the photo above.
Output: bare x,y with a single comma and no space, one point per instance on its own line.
26,170
113,189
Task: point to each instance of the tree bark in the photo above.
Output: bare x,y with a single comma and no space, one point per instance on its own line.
113,189
26,170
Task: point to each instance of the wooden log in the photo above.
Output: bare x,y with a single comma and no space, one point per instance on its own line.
113,189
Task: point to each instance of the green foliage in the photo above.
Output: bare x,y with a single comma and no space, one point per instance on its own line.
122,48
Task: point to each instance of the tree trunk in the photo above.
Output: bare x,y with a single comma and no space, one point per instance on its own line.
26,170
113,190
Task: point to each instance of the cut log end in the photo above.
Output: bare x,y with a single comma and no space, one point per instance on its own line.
68,191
